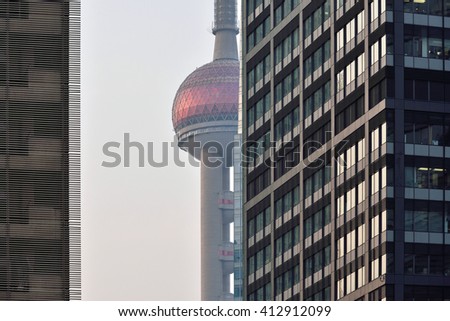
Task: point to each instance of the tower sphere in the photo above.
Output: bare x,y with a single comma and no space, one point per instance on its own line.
210,94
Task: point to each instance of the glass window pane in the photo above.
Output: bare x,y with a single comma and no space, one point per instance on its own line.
317,18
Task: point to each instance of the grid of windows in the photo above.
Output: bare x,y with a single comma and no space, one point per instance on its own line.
284,9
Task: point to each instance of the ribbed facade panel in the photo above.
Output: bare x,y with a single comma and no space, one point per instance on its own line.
39,150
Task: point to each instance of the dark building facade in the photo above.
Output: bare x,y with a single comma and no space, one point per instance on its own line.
205,119
39,150
351,201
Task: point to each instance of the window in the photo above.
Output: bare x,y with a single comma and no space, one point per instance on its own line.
317,59
317,19
360,22
374,10
350,30
426,42
258,73
260,32
431,7
284,9
340,81
340,40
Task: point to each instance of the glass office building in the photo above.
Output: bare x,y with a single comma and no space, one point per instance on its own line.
346,124
39,150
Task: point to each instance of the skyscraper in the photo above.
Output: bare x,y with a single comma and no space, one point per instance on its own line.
39,150
352,200
205,118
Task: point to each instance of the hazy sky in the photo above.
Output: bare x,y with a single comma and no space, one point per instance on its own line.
140,225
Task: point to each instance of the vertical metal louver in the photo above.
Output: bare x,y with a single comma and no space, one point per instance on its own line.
40,150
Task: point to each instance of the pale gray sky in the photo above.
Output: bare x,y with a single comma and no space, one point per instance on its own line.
140,225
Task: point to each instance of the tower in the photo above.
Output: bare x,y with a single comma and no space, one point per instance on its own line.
39,150
205,118
355,95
